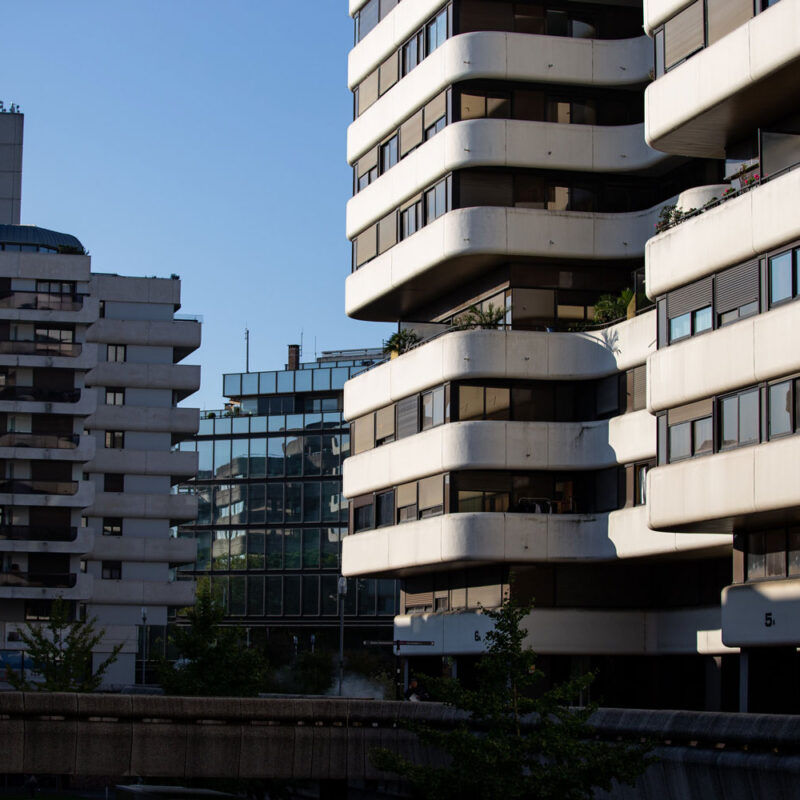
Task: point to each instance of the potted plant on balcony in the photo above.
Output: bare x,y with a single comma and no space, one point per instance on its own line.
401,342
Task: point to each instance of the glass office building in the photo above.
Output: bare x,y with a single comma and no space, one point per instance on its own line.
271,515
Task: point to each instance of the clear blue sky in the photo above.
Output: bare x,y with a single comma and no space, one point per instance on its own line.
201,137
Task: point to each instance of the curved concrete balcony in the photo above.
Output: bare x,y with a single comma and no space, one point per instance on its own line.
570,631
489,444
46,447
33,539
27,586
745,608
79,355
43,308
657,12
178,507
138,548
747,487
501,143
143,593
724,92
387,36
183,378
182,334
453,541
145,418
144,462
735,231
56,494
34,400
495,55
467,242
522,355
45,266
703,366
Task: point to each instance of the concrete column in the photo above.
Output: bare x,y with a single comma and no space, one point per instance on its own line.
744,669
713,693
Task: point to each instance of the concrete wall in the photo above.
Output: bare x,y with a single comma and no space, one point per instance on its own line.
11,126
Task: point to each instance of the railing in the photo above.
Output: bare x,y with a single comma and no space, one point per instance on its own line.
25,348
27,486
43,301
35,580
40,394
188,317
746,184
63,441
36,533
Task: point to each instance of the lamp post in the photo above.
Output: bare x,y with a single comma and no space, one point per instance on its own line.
144,645
341,591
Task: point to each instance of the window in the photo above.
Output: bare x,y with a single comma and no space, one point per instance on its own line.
389,154
115,439
436,201
116,352
436,32
413,52
112,526
640,484
363,518
111,570
433,408
55,287
783,276
784,405
115,397
739,419
692,438
384,509
435,127
689,324
411,220
113,482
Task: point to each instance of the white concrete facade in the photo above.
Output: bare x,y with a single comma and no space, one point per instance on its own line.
457,255
745,487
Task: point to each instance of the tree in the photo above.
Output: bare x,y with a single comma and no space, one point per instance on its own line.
401,341
483,318
212,661
514,744
61,653
610,308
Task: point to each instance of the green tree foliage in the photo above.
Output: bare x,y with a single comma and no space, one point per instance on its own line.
610,308
61,653
515,743
401,342
483,318
212,660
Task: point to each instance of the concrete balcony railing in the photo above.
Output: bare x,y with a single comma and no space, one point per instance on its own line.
451,541
144,593
46,447
138,548
62,355
504,355
732,233
756,483
181,334
177,507
702,366
495,55
181,378
176,463
726,91
42,307
512,445
501,143
33,586
562,631
468,242
35,539
57,494
39,400
145,418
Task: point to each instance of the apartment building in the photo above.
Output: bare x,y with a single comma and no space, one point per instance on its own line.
724,380
89,387
271,516
502,187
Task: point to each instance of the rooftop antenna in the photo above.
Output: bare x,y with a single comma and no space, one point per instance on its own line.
315,348
301,343
246,350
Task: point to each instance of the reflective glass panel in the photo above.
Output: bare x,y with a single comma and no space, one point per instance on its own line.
274,502
330,548
330,607
322,379
275,461
680,441
237,589
702,319
256,503
748,417
338,377
293,501
729,424
366,597
780,408
331,498
311,552
232,385
257,458
386,597
255,595
274,545
311,502
250,383
239,458
294,455
312,455
679,327
222,425
255,550
703,435
302,380
274,596
285,382
291,595
266,382
310,595
205,465
238,545
780,277
292,544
